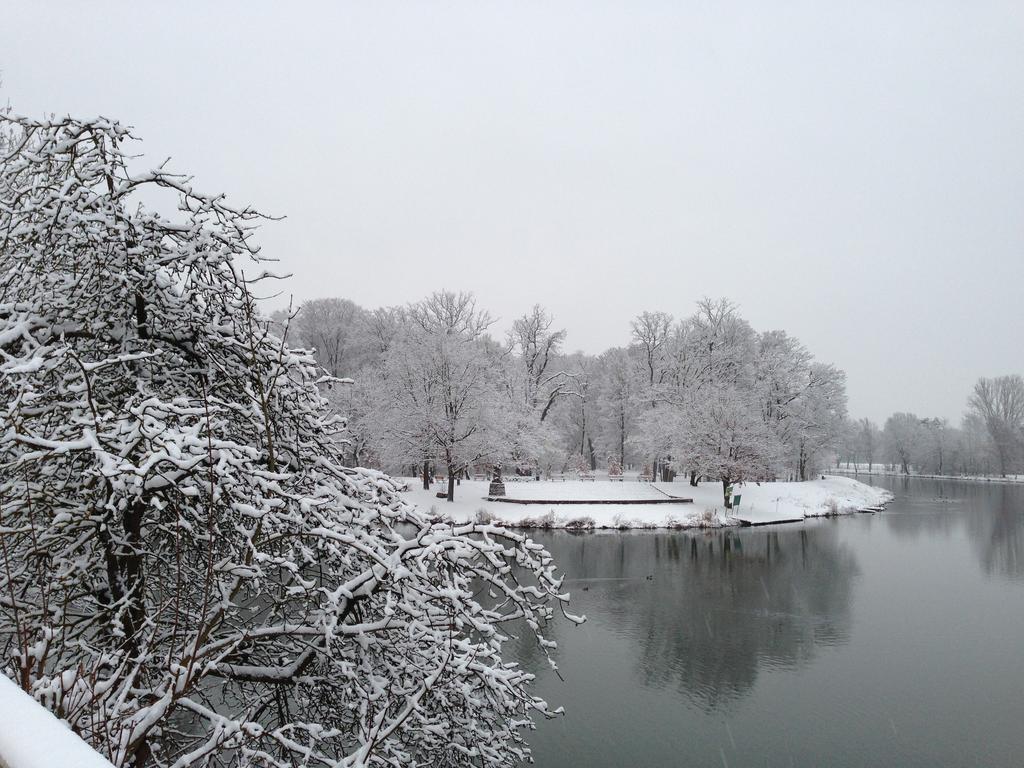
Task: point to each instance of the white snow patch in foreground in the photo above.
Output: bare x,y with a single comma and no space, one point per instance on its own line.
31,737
760,504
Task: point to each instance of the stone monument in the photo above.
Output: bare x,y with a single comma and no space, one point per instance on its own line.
497,487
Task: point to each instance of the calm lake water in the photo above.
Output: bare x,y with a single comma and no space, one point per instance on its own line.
894,639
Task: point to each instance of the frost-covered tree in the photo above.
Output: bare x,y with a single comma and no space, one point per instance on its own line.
901,437
796,406
725,438
937,446
441,395
539,382
579,421
999,403
191,576
617,392
338,331
537,347
818,417
652,334
976,449
868,440
723,346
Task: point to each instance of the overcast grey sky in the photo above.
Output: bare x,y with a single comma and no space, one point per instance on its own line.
850,172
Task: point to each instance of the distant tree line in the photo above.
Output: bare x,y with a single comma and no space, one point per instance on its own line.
988,441
431,386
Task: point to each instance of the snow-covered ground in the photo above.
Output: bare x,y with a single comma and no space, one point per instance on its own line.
760,504
587,489
31,737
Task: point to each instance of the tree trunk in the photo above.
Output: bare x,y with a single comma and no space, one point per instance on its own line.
426,475
622,439
451,483
693,478
134,575
727,492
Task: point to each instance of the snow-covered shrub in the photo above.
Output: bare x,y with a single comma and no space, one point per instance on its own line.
709,518
483,515
582,523
621,522
194,577
545,521
832,506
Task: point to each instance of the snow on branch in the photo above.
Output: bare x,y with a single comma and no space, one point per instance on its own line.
190,573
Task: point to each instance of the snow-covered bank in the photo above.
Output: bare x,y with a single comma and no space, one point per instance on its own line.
760,504
882,472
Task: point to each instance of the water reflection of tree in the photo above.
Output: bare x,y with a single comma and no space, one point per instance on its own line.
998,536
718,606
992,513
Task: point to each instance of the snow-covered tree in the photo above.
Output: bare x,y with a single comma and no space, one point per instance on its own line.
868,440
191,576
715,360
338,331
441,394
537,347
577,414
999,403
652,334
818,416
539,382
723,346
976,448
937,446
652,338
617,394
722,433
901,437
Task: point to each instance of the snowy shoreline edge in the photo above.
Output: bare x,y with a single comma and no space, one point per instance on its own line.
766,504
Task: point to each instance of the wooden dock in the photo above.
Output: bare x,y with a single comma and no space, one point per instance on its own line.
872,510
747,522
753,522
